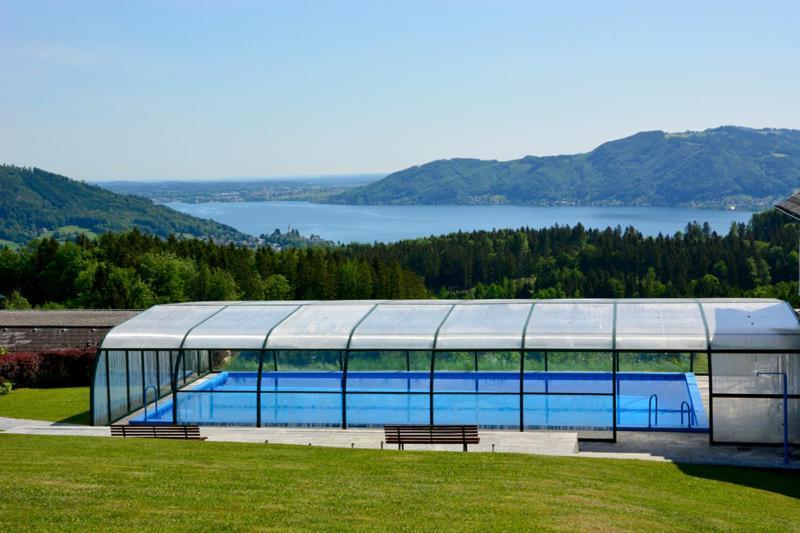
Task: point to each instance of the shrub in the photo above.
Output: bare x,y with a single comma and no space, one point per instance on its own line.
5,386
67,368
20,368
62,368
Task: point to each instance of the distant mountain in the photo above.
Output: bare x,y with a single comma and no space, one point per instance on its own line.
34,202
714,168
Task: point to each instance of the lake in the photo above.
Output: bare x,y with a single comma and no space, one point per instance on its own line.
388,223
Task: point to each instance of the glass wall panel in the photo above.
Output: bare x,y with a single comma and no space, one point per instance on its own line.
100,392
567,412
135,383
654,362
476,372
364,409
756,420
117,383
304,409
569,390
217,408
307,360
738,373
579,361
486,410
234,360
700,363
165,362
388,371
150,374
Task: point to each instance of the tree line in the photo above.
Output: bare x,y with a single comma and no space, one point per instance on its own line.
135,270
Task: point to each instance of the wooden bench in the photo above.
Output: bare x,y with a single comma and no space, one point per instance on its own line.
442,434
157,432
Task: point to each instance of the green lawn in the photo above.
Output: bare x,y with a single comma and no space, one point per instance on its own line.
81,483
58,405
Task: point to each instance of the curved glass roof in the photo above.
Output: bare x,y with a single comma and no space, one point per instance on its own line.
642,325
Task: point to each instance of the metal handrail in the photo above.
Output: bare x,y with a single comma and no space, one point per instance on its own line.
144,399
689,413
649,410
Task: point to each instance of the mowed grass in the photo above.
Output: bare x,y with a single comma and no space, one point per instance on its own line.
83,483
70,405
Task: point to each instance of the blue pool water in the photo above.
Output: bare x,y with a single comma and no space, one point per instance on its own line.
552,400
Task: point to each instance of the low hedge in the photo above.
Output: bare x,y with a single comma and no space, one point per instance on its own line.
57,368
5,386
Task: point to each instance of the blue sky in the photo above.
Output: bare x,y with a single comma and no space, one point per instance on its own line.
210,89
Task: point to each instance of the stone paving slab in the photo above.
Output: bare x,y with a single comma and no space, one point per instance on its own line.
540,443
692,448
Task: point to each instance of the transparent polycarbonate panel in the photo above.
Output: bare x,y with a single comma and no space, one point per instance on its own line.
238,327
117,383
755,420
759,325
236,360
165,362
162,326
656,326
484,327
100,392
135,378
654,362
318,326
752,373
375,410
570,326
399,326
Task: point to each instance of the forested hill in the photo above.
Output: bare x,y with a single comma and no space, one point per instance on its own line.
34,202
134,270
713,168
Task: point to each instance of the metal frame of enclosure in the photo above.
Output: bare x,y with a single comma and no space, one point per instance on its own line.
747,345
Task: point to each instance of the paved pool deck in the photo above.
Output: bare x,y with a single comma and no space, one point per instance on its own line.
690,448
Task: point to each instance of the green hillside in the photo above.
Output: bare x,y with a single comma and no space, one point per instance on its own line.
713,168
34,203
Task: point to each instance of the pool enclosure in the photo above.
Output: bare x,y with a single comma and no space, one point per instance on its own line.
591,366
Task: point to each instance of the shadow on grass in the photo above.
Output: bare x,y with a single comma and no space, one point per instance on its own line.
80,418
785,482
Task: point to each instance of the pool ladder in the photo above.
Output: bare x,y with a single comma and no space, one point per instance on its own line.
689,413
144,399
685,407
650,410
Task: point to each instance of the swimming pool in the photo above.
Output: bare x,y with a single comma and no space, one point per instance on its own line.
550,400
